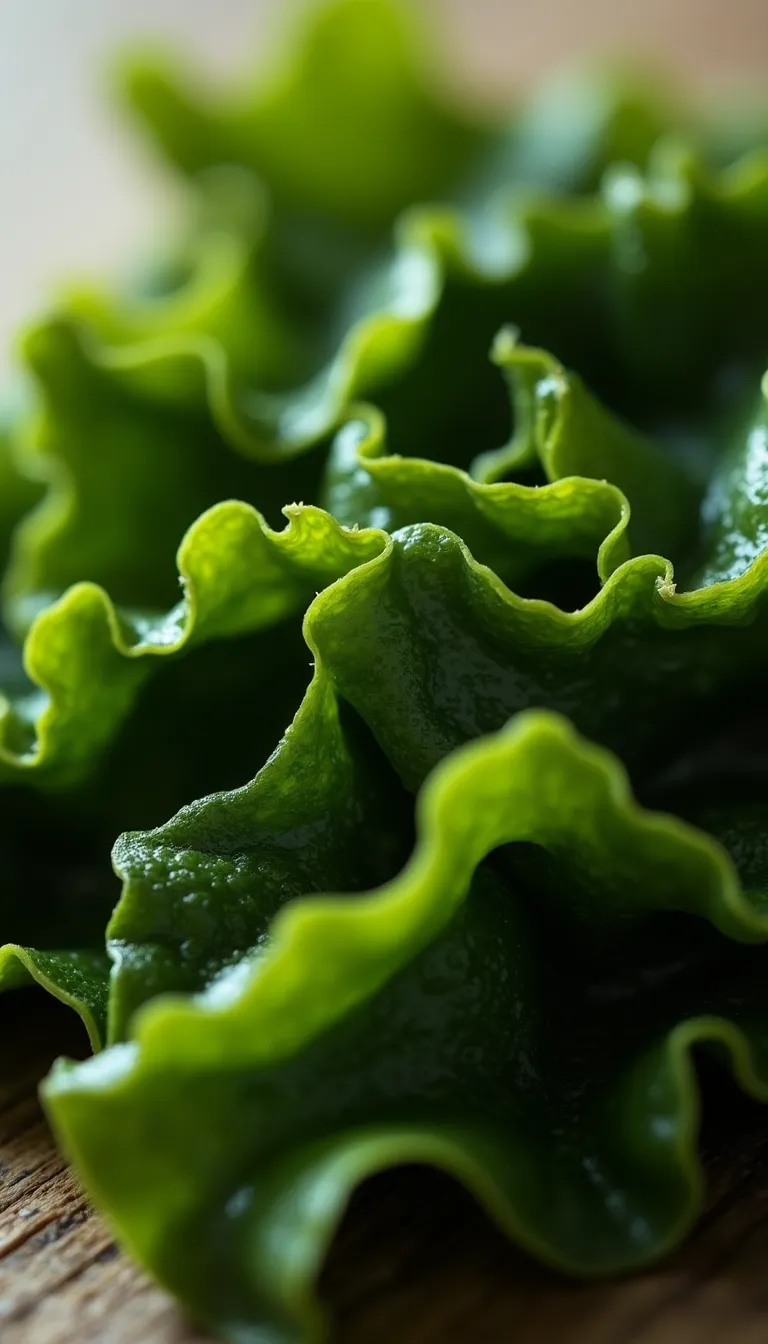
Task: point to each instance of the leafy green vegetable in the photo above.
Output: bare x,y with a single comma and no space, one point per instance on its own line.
79,979
562,432
155,408
502,377
454,1015
432,649
89,657
294,129
86,727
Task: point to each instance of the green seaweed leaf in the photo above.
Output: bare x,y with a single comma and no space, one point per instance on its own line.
291,1001
293,128
18,494
135,435
212,285
375,1011
443,651
85,726
126,477
78,979
296,828
288,122
735,510
88,658
605,471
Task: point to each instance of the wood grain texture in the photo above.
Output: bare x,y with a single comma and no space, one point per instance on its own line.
415,1261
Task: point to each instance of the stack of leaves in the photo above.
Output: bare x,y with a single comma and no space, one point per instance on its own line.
508,865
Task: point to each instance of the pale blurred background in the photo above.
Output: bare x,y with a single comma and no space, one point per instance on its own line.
79,193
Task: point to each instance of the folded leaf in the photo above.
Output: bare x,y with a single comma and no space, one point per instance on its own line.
79,979
735,510
18,494
93,721
291,1000
562,433
690,265
136,437
126,477
443,1018
403,142
406,142
324,811
432,649
89,659
515,529
215,285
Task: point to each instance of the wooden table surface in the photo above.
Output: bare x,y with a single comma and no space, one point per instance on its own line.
415,1262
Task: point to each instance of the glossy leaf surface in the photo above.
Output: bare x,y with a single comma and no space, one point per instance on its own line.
517,359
